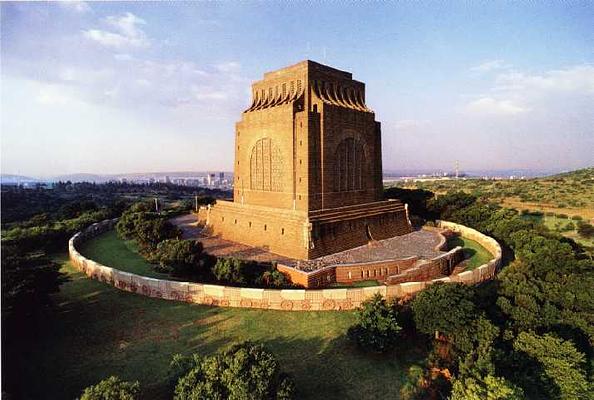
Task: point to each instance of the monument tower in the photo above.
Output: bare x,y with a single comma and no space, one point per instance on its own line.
308,168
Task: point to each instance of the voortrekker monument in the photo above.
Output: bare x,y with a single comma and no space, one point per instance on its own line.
308,168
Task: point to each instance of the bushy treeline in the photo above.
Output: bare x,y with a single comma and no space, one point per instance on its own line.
161,244
52,235
527,334
36,226
245,371
20,204
30,276
146,227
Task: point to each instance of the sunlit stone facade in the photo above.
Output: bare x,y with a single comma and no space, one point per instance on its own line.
308,168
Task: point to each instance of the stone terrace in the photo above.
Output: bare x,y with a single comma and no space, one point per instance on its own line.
421,243
219,247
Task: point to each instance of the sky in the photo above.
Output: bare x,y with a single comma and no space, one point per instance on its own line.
122,87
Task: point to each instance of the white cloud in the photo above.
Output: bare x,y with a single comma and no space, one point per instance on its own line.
54,95
76,6
516,92
122,57
127,81
578,78
126,32
127,24
409,124
231,66
210,94
489,105
491,65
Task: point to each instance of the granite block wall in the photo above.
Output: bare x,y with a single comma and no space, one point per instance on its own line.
276,299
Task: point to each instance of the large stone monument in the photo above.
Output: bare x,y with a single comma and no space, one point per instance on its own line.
308,168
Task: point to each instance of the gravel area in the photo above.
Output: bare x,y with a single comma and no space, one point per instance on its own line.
419,243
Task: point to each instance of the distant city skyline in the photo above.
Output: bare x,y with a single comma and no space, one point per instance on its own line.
117,88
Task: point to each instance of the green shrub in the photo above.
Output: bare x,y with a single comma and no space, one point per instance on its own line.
28,280
429,305
585,230
112,388
562,216
488,387
246,371
377,326
560,369
577,218
416,384
178,257
231,270
148,229
273,279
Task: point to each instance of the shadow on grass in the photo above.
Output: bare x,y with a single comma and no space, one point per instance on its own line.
338,369
468,253
94,331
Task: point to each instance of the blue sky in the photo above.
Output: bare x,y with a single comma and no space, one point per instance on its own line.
118,87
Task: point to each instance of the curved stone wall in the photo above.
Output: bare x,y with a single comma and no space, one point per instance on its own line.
277,299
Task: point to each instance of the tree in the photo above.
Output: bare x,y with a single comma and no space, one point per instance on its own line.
274,279
415,198
112,388
485,388
585,229
443,206
245,371
474,346
126,226
562,368
149,233
147,228
546,286
28,280
476,216
377,327
178,257
230,270
443,308
416,384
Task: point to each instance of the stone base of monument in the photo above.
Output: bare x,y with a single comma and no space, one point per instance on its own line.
412,256
306,235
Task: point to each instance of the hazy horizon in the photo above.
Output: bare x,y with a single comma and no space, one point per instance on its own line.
528,173
117,88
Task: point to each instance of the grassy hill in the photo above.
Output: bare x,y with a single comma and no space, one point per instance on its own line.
95,331
555,199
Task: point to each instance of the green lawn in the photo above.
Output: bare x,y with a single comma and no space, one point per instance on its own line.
475,254
356,284
110,250
95,330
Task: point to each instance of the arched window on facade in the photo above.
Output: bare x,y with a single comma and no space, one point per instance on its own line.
266,166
